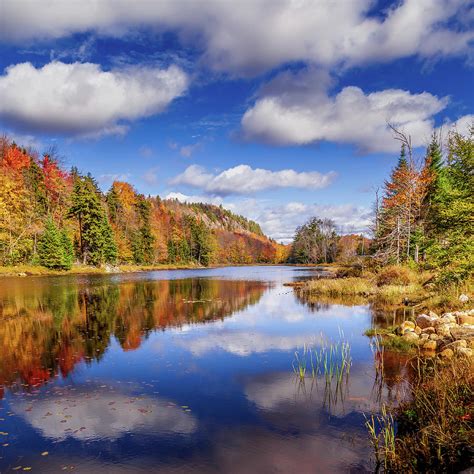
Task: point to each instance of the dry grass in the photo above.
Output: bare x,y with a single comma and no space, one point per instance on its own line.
85,269
435,427
352,286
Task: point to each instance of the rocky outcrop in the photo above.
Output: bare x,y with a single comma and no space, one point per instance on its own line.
448,335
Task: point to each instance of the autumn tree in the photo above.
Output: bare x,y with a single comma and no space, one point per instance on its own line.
315,242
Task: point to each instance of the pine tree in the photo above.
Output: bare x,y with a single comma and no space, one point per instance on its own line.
50,247
67,249
96,242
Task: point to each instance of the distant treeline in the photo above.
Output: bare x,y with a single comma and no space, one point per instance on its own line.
53,217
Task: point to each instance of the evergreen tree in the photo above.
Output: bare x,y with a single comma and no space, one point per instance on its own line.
54,248
96,242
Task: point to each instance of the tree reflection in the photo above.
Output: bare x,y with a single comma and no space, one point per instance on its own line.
48,326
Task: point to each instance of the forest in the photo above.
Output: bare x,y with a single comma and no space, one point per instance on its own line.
53,217
423,215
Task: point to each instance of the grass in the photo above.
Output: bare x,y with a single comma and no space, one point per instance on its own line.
381,429
332,361
86,269
435,425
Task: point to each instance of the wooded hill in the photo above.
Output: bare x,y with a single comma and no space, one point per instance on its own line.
53,217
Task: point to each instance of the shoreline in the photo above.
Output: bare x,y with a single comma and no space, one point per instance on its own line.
22,271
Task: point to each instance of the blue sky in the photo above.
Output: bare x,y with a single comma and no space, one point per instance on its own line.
276,109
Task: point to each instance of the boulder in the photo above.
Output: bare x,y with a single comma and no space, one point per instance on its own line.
463,332
448,319
424,321
429,346
407,326
463,298
411,337
465,319
443,330
429,330
417,330
434,337
446,354
424,337
433,315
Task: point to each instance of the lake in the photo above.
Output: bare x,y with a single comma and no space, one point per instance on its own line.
183,371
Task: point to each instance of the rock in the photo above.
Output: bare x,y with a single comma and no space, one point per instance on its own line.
448,319
424,337
407,325
434,337
429,346
463,332
417,330
443,330
111,268
464,352
424,321
411,337
429,330
433,315
446,354
463,298
465,319
22,274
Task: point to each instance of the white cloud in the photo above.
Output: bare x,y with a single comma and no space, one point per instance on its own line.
82,99
261,34
296,109
106,415
243,179
281,221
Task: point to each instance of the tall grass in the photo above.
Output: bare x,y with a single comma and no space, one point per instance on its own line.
381,429
331,360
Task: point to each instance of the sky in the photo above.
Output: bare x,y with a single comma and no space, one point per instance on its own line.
277,109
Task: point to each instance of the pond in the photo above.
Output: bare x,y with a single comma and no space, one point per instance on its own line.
182,371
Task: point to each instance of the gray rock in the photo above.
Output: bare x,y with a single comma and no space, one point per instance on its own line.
463,298
425,321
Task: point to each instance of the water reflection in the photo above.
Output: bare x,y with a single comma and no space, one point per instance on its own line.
47,328
92,413
183,375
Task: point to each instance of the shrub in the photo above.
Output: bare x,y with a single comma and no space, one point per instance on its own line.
349,271
395,275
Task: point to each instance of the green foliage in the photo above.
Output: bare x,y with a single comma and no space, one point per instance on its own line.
55,248
143,240
96,242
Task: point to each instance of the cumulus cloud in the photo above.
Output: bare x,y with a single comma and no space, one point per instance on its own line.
261,34
217,200
296,109
281,221
243,179
82,99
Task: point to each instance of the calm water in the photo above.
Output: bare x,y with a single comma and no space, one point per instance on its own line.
180,371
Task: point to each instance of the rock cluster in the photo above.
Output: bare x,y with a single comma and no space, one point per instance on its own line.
446,335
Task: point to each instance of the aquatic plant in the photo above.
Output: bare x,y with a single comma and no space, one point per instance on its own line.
381,429
331,360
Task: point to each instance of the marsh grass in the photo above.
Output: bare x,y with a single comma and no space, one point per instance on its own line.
381,429
331,361
435,425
